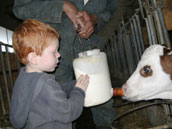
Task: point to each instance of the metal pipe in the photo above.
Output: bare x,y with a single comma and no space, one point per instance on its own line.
129,52
150,22
157,22
4,76
119,68
123,57
2,100
159,102
137,37
160,34
152,29
134,42
110,57
141,8
140,33
146,21
148,31
113,55
162,21
9,67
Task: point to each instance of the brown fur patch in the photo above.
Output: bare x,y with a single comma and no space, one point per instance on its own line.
166,61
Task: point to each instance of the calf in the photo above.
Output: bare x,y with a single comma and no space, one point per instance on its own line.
152,78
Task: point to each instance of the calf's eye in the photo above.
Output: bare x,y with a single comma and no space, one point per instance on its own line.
146,71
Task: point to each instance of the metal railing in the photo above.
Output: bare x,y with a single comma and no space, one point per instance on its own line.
9,68
126,46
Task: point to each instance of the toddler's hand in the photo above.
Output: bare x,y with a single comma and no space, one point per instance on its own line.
82,82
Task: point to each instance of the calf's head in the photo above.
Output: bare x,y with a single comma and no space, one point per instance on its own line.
152,78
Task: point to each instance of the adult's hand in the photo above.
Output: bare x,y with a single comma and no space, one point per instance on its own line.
71,11
90,22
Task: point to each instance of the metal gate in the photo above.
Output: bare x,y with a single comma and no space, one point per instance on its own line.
126,46
9,68
124,50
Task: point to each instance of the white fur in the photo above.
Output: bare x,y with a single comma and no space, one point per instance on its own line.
159,85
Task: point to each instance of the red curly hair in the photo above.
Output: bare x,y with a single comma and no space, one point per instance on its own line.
32,36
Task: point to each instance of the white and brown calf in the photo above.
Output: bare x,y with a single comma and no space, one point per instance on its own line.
152,78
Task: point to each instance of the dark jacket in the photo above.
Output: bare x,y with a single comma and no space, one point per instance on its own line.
51,12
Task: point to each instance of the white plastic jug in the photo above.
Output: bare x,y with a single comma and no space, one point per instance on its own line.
94,63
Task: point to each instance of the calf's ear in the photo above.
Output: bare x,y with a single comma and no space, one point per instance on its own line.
166,61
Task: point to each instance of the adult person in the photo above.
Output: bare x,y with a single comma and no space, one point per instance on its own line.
76,35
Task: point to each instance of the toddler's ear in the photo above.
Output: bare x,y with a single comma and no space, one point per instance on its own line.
32,58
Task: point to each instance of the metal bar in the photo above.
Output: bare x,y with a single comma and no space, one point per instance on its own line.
1,43
140,33
123,57
108,58
2,100
150,21
8,61
109,54
157,22
130,54
148,31
113,55
164,28
4,76
152,29
137,37
124,43
134,42
159,102
160,34
167,112
141,8
9,67
146,21
119,68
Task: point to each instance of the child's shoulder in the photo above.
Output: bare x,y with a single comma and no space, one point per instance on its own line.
48,79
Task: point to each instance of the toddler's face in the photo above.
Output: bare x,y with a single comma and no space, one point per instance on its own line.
49,58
